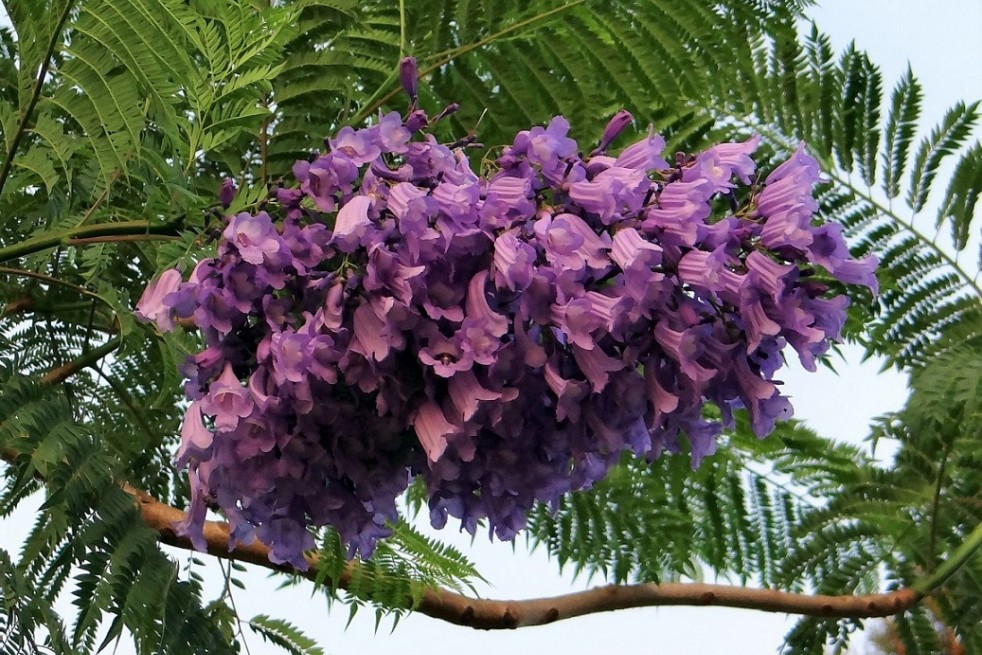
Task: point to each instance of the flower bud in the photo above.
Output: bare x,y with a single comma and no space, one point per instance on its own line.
227,192
616,125
416,121
407,76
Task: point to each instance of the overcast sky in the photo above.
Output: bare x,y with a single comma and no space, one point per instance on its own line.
944,47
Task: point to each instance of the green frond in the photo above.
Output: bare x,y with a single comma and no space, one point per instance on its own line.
905,109
147,105
284,635
962,197
948,136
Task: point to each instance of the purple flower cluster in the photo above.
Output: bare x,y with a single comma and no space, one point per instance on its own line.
505,338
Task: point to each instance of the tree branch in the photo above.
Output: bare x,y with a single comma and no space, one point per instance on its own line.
88,234
16,306
488,614
65,371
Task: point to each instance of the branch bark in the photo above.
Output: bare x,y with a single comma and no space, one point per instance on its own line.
61,373
139,230
486,614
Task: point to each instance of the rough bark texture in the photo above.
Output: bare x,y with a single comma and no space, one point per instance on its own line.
508,614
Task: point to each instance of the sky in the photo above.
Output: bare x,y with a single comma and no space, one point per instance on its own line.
944,46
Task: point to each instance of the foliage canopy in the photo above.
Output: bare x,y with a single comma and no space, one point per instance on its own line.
120,118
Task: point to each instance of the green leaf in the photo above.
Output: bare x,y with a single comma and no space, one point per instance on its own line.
284,635
962,197
950,134
905,109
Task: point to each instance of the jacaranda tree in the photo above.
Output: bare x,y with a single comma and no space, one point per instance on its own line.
317,265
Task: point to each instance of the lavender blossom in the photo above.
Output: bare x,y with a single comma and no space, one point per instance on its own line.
505,338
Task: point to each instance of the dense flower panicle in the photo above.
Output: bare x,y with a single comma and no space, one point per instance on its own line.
505,338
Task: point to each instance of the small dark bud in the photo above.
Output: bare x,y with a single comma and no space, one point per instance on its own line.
616,125
449,109
226,194
416,121
407,76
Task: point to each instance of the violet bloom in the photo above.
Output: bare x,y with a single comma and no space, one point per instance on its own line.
393,136
547,146
375,337
443,354
723,161
513,262
570,394
570,244
359,146
217,309
196,439
352,224
290,358
596,366
153,306
508,200
681,209
467,394
613,194
645,154
385,271
416,121
433,430
287,539
254,237
702,269
227,400
858,271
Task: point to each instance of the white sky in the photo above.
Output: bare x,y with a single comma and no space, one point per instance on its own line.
943,42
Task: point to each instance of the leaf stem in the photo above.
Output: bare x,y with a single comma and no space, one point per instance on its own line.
936,505
938,250
87,234
65,371
8,162
402,28
440,59
48,279
962,554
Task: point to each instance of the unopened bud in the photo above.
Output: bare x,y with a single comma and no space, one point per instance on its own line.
407,76
227,192
416,121
616,125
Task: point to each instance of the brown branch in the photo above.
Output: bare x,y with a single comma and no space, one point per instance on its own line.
488,614
16,306
122,239
61,373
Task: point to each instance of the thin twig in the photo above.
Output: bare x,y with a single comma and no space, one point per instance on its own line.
19,272
8,162
98,201
936,504
88,234
65,371
440,59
